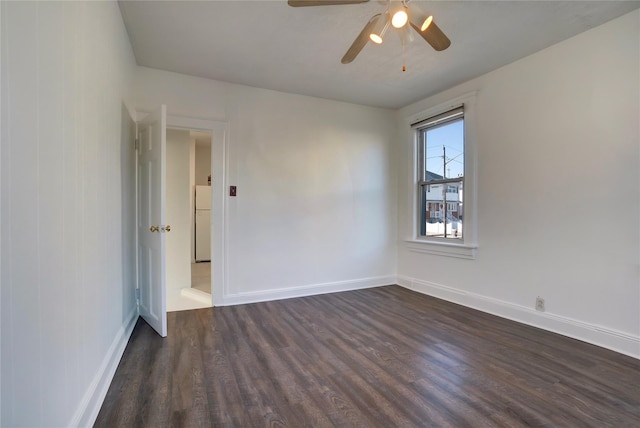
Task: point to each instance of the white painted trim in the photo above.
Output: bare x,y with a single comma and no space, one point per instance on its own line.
451,249
87,411
197,295
440,108
305,290
192,123
605,337
220,214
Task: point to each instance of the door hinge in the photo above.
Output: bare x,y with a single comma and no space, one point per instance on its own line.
136,144
137,294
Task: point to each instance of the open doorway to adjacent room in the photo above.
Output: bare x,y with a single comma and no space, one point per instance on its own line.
188,202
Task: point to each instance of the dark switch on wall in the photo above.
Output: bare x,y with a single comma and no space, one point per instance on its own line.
232,190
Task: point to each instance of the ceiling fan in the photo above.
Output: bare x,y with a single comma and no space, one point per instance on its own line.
399,14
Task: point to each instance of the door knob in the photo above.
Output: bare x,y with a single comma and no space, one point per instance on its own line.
154,228
168,228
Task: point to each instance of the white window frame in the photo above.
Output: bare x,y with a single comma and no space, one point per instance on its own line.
467,249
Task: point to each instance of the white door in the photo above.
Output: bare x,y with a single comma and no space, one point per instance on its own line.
151,219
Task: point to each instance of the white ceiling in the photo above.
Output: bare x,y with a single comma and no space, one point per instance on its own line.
268,44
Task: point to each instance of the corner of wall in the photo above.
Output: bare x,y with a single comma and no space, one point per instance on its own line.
612,339
87,411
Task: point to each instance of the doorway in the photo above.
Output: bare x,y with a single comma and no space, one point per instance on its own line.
188,199
151,215
213,273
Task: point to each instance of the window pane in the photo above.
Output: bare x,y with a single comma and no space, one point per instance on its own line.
443,210
444,151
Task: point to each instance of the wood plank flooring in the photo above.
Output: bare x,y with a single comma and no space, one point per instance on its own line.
382,357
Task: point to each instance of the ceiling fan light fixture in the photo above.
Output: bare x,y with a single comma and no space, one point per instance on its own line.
400,18
426,23
399,13
379,29
419,19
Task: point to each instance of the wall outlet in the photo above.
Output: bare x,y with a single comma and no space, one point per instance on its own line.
539,304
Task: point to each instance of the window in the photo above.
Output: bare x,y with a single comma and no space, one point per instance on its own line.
441,175
443,214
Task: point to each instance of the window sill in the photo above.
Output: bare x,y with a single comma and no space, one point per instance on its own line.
462,251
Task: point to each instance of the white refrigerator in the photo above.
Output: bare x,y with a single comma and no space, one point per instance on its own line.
203,224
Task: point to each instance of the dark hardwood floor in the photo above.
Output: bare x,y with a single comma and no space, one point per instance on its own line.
381,357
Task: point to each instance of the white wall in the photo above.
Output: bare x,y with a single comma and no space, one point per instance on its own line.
178,211
316,200
558,155
203,164
67,204
192,198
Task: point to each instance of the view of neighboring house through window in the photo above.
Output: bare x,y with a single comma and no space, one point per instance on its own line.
441,175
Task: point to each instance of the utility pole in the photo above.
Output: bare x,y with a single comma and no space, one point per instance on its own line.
444,162
444,189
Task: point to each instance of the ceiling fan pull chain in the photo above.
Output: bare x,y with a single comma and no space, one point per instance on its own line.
404,43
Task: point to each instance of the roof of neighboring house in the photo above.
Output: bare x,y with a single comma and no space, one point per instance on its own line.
433,176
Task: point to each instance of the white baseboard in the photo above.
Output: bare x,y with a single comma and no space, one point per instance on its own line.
615,340
302,291
87,411
197,295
